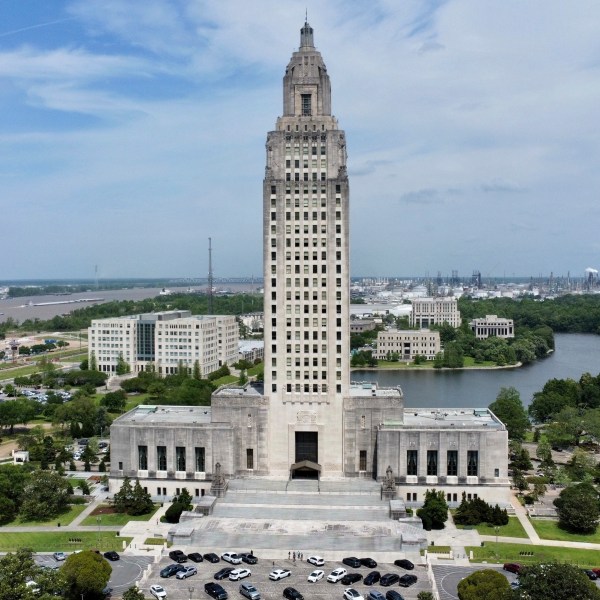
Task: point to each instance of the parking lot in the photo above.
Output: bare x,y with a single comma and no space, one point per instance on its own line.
271,590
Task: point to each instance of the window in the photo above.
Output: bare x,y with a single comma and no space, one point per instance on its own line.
161,458
452,463
362,461
432,459
200,466
306,112
411,462
180,458
249,458
143,458
496,472
472,463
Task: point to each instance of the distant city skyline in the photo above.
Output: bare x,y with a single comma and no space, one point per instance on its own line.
132,132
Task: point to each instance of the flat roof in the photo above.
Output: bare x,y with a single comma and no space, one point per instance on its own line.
456,418
369,388
254,389
166,415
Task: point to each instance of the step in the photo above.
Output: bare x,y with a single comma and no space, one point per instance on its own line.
321,513
301,500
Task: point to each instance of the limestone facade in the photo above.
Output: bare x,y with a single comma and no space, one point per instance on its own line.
434,311
492,326
408,343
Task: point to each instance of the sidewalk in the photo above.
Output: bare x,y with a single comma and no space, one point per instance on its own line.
140,531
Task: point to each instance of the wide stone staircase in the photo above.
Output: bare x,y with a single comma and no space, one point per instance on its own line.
275,516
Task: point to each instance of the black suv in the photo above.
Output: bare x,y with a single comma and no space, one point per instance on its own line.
389,579
215,590
393,595
248,558
111,555
368,562
178,556
171,570
292,594
372,577
351,578
224,573
404,563
407,580
196,557
352,561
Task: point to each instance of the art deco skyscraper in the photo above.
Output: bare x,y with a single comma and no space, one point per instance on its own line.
306,271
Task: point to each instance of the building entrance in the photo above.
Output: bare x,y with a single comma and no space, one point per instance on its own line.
307,456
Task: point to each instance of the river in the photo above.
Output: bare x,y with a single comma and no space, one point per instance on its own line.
575,354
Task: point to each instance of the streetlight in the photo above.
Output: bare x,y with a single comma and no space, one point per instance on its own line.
496,529
191,591
98,521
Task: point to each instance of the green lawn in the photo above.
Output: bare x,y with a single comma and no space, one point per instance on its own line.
116,519
64,519
53,541
513,529
501,553
548,529
226,379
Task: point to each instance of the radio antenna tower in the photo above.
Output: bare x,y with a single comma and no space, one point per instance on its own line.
210,278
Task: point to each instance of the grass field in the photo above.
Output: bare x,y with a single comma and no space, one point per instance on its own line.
64,519
45,541
501,553
548,530
116,519
513,529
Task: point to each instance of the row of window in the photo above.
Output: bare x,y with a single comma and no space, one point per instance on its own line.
451,462
180,458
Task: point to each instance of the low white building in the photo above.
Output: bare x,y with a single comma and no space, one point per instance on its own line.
165,340
434,311
408,343
251,350
493,326
20,457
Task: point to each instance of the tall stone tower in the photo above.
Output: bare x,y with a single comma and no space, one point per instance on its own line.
306,273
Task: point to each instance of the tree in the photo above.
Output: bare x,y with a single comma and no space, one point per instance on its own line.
114,401
544,452
173,513
578,508
425,596
509,409
122,367
92,364
434,512
521,460
88,456
45,496
580,465
141,501
519,480
122,499
133,594
86,573
486,584
549,580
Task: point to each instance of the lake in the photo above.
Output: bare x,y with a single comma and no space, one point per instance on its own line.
574,355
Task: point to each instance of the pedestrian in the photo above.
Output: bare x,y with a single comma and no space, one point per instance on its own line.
289,555
273,563
251,552
294,557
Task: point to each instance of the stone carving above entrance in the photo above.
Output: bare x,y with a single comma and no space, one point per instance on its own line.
306,416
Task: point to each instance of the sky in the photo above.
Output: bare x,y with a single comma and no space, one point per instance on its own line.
132,131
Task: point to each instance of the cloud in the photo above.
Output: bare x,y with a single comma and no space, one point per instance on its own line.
502,186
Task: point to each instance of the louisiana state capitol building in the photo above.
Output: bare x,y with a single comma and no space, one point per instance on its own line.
308,420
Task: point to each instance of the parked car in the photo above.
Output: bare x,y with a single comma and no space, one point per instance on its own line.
186,572
315,560
178,556
248,558
248,590
112,555
512,567
389,579
215,590
211,557
59,556
292,594
368,562
195,556
350,578
404,563
352,594
352,561
170,570
158,591
372,577
231,557
316,575
223,573
336,575
393,595
278,574
407,580
375,595
590,574
238,574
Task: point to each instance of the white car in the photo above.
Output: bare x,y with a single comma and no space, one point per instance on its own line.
59,556
232,557
316,576
336,575
278,574
158,591
316,560
187,572
238,574
352,594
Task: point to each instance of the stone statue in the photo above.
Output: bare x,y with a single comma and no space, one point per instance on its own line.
388,487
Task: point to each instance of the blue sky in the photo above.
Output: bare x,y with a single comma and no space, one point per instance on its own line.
131,131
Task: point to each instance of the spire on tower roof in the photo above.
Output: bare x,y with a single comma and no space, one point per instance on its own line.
306,35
